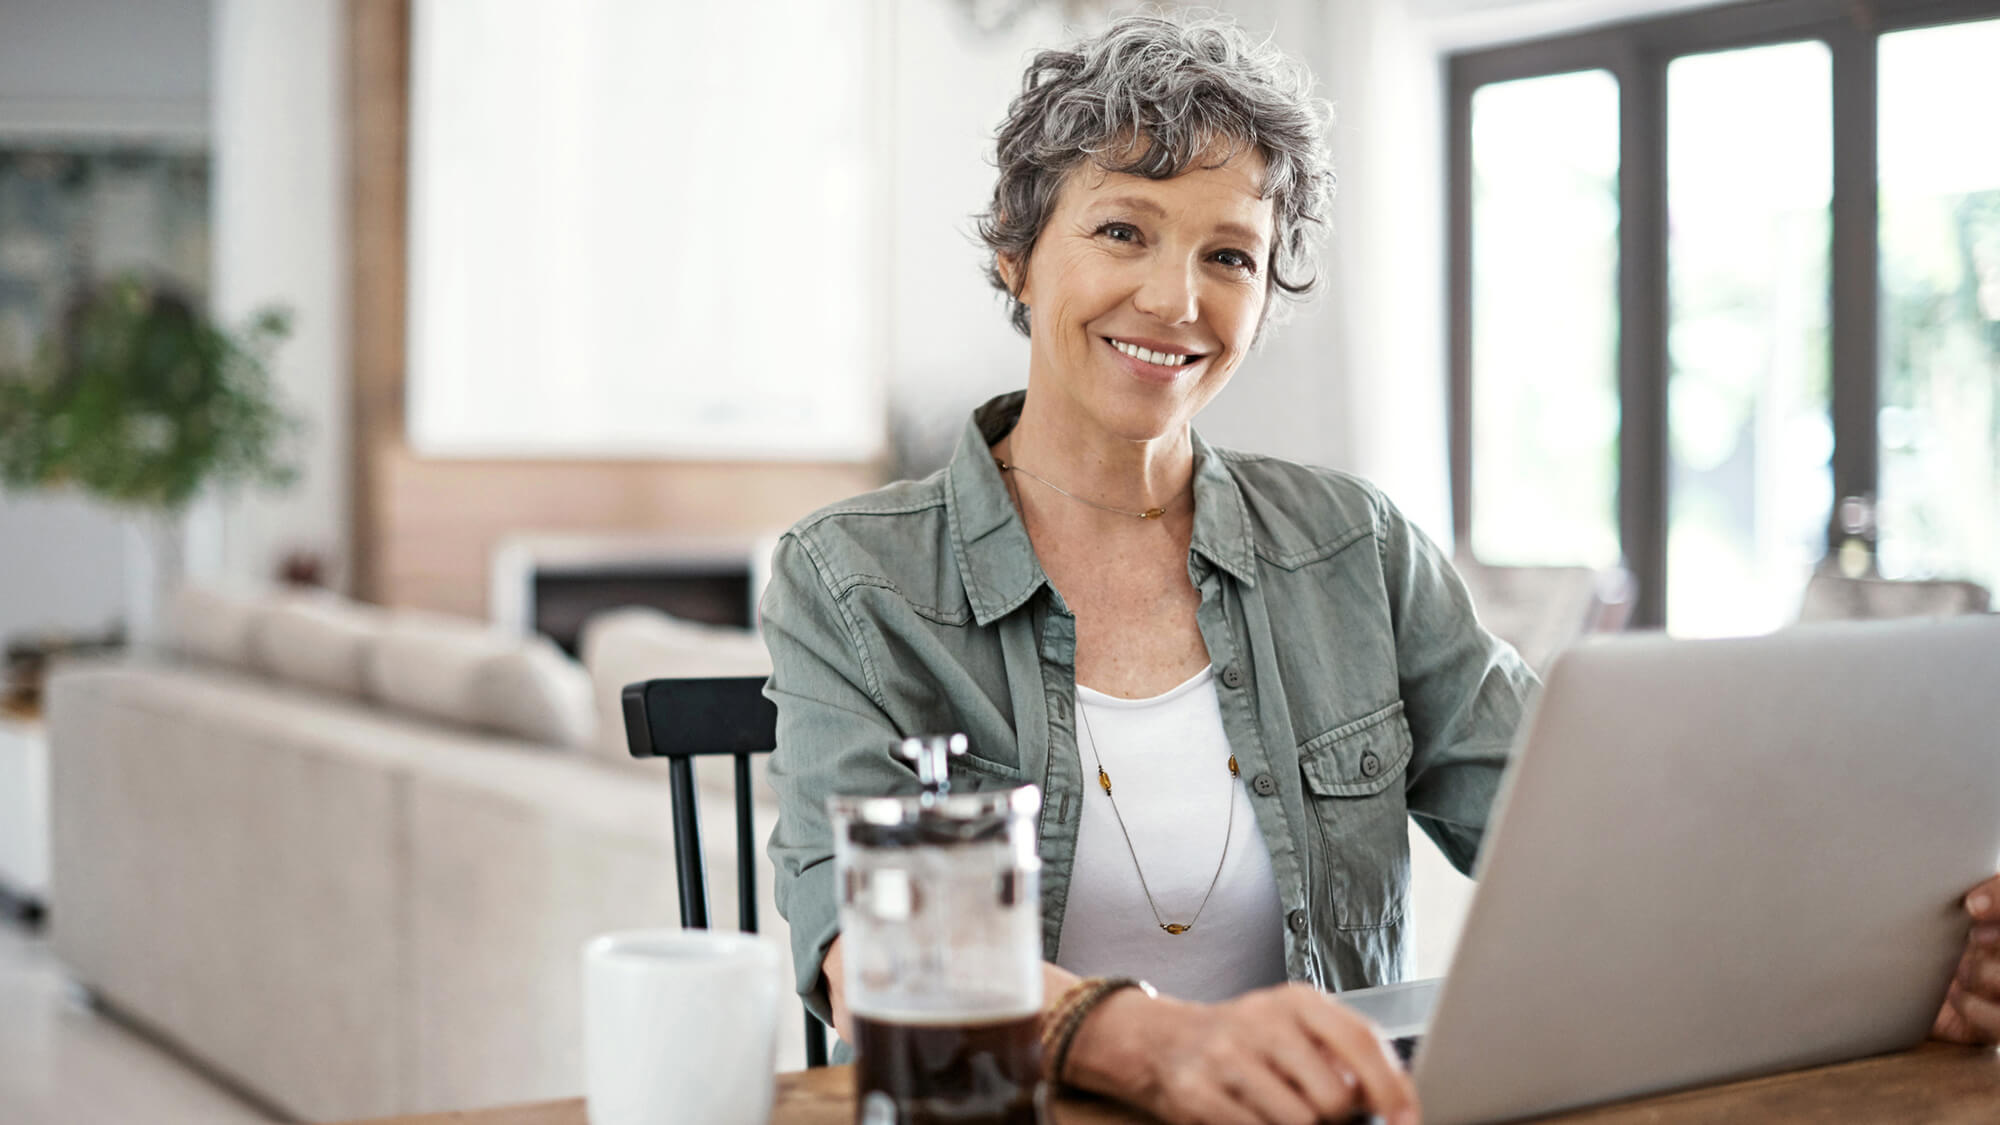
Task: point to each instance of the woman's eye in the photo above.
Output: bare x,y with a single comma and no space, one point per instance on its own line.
1119,232
1236,260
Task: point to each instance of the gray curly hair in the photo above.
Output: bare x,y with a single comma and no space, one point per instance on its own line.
1170,91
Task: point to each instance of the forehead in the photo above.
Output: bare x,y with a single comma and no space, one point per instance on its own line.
1229,193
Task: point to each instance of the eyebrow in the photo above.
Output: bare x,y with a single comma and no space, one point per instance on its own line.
1148,207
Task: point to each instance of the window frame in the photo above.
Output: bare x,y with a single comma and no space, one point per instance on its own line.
1637,53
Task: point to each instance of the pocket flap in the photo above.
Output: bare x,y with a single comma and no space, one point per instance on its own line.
1360,758
986,768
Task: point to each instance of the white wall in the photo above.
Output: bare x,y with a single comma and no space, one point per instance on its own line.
1388,253
950,344
92,67
62,565
280,206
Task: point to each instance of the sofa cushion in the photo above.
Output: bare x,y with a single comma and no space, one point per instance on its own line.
213,625
629,645
463,673
533,690
317,640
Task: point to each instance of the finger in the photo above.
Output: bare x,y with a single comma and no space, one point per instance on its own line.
1980,976
1270,1097
1327,1086
1983,937
1983,901
1949,1025
1389,1090
1981,1013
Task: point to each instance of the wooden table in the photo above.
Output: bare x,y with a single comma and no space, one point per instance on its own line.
1934,1083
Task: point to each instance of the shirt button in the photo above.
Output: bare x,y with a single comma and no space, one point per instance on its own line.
1264,784
1297,921
1232,676
1370,765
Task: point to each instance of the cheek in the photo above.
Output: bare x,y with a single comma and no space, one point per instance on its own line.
1238,313
1061,317
1219,376
1080,301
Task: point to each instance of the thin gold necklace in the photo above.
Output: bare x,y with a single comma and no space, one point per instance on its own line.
1104,780
1148,514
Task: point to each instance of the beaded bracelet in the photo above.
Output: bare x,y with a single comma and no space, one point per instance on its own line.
1056,1020
1058,1014
1066,1019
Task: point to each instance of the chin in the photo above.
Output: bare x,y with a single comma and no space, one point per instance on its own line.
1142,421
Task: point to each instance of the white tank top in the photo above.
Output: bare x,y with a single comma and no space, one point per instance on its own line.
1169,764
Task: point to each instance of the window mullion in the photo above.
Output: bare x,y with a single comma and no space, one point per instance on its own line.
1854,283
1458,219
1642,338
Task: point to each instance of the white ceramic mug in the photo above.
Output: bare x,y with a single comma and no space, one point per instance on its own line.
680,1026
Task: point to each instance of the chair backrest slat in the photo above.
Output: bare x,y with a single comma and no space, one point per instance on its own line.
684,719
746,850
689,871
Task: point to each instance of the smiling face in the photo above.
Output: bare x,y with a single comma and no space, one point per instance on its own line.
1144,295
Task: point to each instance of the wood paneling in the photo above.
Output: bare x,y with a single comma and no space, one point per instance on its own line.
378,93
424,529
442,518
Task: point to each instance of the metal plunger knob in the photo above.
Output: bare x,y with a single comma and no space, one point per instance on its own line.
933,754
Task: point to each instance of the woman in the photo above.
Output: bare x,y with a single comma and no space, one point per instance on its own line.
1275,666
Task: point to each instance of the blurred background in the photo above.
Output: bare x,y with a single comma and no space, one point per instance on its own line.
358,355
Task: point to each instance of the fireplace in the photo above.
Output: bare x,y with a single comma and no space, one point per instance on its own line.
552,584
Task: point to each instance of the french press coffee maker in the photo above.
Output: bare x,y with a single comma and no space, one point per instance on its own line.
940,921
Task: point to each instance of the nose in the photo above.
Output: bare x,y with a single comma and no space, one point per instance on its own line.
1167,292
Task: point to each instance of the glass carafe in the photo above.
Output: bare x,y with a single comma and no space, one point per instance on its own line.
940,921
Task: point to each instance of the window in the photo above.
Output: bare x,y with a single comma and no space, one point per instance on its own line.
1545,412
1686,334
1749,432
1939,426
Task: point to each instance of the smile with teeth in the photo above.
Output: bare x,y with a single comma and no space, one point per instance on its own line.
1147,355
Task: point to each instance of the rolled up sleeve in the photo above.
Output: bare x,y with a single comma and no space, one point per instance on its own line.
1465,690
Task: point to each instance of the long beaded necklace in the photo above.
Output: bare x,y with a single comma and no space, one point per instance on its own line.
1103,776
1104,780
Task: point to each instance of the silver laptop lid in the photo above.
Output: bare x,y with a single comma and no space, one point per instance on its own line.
1721,858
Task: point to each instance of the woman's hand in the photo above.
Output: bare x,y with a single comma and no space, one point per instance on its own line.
1289,1055
1971,1012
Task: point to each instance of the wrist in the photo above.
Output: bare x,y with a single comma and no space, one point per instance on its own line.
1116,1049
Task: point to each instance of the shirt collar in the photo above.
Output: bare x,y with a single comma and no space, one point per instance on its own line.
995,556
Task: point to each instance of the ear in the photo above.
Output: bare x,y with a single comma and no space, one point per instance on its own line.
1014,275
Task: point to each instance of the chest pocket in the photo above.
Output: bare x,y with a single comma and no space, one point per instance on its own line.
1354,788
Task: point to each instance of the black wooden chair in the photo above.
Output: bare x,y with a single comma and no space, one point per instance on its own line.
681,720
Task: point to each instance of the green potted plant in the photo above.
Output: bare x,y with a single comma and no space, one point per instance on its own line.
141,400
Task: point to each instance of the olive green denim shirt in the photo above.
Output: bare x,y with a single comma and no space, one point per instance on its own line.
1357,689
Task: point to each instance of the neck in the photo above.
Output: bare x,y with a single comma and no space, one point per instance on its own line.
1130,475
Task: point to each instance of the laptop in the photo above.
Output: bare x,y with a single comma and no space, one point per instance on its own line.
1713,859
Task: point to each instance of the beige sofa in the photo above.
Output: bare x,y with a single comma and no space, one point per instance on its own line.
346,907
